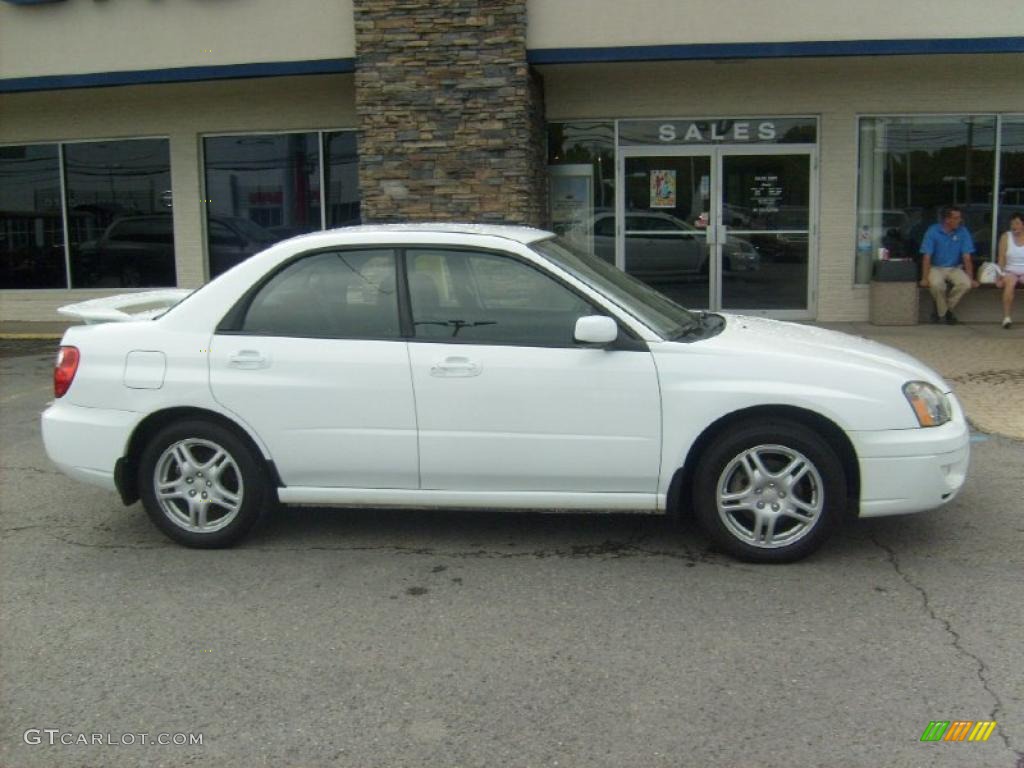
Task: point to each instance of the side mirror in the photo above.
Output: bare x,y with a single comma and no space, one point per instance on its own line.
596,329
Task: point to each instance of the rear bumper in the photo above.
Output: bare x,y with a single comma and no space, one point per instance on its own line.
86,443
912,470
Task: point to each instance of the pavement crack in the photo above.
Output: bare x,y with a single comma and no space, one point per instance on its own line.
980,667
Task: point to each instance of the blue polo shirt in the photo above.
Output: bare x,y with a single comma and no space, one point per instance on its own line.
947,248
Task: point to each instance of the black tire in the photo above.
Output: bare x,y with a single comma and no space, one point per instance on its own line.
760,524
240,477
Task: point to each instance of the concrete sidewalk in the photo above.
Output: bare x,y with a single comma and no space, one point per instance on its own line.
982,361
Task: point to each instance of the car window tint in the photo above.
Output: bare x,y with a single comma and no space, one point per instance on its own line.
487,298
339,294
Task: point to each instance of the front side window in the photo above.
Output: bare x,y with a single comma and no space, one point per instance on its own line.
337,294
654,309
484,298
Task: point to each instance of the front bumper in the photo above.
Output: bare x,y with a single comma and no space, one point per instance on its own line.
85,443
912,470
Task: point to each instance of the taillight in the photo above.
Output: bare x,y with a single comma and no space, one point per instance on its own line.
64,371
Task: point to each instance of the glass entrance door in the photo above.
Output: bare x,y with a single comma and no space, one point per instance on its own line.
716,228
765,237
664,221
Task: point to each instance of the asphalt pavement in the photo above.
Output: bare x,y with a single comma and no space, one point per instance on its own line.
383,638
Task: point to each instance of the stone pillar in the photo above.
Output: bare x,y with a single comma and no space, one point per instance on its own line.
451,118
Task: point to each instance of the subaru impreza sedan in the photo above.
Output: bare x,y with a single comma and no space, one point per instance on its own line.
488,367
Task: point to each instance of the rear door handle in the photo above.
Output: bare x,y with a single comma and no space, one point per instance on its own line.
452,367
248,359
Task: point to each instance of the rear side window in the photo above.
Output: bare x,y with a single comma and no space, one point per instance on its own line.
338,294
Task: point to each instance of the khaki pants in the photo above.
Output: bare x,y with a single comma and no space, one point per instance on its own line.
937,279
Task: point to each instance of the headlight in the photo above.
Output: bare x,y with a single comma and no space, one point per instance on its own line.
930,405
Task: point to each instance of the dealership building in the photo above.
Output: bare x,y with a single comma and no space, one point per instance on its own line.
741,156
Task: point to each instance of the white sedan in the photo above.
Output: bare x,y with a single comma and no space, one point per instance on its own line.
488,367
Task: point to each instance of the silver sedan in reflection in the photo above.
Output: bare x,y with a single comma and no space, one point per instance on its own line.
660,246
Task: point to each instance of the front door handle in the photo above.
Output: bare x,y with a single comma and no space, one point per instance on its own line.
248,359
452,367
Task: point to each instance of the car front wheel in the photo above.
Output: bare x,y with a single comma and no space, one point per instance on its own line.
201,485
770,491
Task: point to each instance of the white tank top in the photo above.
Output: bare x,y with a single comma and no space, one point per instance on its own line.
1014,255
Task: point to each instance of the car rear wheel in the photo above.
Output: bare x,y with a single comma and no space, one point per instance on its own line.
201,485
770,491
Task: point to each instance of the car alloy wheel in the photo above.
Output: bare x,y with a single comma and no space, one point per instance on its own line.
769,491
198,485
770,496
202,483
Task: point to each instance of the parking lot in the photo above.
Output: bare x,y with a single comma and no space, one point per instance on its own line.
385,638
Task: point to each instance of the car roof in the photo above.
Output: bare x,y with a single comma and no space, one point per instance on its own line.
519,234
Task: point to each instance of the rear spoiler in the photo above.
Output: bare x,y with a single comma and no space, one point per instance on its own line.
126,307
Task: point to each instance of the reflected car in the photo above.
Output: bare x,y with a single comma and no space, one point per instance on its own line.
233,239
132,251
138,251
488,367
660,246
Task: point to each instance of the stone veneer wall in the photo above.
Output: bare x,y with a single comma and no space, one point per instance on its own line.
451,117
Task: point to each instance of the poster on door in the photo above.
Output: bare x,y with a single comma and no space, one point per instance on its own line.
766,194
663,189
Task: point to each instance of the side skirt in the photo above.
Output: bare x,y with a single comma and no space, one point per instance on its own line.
644,503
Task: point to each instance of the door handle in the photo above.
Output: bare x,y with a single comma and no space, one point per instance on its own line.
248,359
452,367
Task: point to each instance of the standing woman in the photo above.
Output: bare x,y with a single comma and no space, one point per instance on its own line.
1011,262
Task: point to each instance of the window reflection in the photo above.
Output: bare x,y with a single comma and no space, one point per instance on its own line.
264,188
1011,172
259,189
31,229
582,180
909,168
119,214
341,169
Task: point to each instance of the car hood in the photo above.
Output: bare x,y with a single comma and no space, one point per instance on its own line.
825,347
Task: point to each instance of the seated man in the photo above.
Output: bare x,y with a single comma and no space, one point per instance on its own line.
946,259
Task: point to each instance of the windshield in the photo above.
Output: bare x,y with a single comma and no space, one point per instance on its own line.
653,309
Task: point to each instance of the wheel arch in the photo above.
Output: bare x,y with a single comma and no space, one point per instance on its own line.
126,469
681,487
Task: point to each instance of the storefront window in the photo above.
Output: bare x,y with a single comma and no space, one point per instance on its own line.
31,228
119,213
1011,171
259,189
264,188
341,171
909,167
117,207
581,160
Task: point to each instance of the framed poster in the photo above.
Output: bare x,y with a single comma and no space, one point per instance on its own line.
663,189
